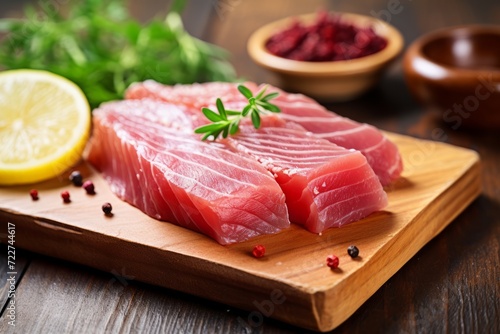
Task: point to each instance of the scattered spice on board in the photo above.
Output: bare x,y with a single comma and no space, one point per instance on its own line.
76,178
259,251
34,194
89,187
353,251
332,261
107,208
65,196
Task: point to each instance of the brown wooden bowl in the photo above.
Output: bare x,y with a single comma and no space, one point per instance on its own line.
457,71
331,80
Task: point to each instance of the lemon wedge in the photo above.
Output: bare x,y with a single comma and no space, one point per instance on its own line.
44,125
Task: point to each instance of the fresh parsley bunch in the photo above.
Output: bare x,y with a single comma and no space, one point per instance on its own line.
100,47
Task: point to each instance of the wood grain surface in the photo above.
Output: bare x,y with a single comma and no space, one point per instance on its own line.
450,286
292,283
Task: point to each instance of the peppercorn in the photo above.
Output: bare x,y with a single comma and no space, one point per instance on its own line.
353,251
89,187
332,261
106,208
259,251
34,194
65,196
76,178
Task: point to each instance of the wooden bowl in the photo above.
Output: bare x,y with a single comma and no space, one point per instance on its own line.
457,71
333,80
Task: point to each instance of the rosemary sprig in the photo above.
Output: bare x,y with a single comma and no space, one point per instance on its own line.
226,122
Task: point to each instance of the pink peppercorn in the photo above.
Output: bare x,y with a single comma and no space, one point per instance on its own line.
332,261
65,196
34,194
259,251
89,187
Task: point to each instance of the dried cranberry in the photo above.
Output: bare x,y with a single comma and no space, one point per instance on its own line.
329,38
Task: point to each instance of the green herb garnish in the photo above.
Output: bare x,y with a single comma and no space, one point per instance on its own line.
103,49
226,122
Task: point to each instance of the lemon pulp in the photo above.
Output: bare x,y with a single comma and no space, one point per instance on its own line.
44,125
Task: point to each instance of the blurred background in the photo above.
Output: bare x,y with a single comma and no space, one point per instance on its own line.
214,21
411,17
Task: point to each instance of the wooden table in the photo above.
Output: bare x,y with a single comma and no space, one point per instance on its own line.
451,285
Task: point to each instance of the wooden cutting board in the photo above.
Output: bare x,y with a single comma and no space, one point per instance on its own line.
292,282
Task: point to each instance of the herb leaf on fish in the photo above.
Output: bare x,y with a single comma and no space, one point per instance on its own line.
226,122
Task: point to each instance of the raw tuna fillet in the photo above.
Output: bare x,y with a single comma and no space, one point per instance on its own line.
382,155
195,95
325,185
151,159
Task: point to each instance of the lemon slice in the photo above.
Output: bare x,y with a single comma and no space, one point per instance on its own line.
44,125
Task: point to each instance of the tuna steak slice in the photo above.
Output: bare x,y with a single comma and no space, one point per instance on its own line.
382,155
325,185
149,155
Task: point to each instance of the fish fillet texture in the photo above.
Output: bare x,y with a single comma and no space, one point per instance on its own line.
325,185
149,155
382,154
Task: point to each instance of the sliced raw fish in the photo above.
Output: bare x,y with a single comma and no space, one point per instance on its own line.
382,154
195,95
151,158
325,185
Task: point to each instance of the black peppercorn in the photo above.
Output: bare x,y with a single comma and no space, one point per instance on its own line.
106,208
353,251
76,178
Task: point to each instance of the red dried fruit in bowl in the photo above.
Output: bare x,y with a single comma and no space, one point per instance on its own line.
329,38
